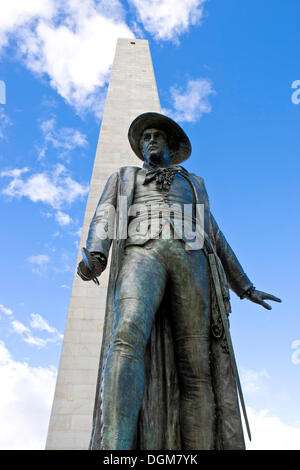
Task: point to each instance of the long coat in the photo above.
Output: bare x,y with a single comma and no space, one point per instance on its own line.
159,424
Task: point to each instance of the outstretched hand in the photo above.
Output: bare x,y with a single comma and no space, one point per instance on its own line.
258,297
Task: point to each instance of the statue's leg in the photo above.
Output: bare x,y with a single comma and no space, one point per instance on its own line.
190,319
139,291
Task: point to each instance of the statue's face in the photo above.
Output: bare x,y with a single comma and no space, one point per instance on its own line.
155,147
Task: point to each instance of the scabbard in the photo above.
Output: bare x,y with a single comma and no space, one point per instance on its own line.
220,300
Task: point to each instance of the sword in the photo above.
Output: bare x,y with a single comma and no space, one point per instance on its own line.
88,261
216,279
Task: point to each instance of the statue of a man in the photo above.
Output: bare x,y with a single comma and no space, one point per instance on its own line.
166,379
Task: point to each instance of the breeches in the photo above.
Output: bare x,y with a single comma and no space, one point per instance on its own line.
161,267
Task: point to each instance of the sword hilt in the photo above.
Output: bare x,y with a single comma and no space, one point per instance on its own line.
89,262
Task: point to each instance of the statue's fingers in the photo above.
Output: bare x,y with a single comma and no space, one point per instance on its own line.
272,297
264,304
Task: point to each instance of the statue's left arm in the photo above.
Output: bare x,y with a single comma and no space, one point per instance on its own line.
101,231
237,278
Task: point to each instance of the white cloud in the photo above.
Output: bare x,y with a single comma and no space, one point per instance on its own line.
269,432
38,322
191,102
54,188
6,311
254,381
65,139
39,259
39,342
19,328
16,173
62,218
39,263
26,396
268,429
16,13
70,41
167,19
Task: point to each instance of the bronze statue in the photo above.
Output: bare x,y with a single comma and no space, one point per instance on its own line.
167,375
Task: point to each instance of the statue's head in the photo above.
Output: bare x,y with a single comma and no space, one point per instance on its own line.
155,148
158,140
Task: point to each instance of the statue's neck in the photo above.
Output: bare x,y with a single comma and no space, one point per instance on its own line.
151,166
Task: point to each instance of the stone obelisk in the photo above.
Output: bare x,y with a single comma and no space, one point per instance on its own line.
132,90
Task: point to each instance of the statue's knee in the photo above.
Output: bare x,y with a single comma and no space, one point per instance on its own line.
129,339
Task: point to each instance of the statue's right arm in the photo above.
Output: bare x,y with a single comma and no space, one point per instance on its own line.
101,230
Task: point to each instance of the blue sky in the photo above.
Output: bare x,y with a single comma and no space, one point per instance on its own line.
225,70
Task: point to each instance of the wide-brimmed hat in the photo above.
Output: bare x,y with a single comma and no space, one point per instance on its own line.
179,143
